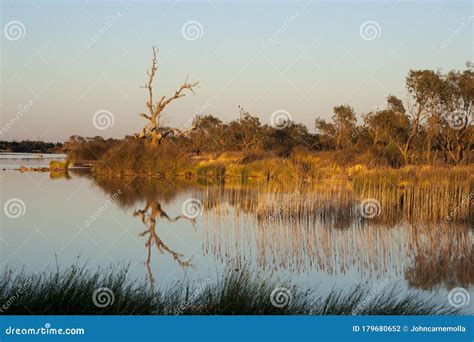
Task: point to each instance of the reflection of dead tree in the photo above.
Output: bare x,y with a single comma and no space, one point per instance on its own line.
149,220
152,130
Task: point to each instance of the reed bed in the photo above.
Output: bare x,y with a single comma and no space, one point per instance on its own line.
319,227
423,194
243,292
429,195
427,256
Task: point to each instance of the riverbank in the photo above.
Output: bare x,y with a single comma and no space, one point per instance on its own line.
300,165
415,193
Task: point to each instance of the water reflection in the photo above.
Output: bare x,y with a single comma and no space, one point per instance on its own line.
312,228
148,216
442,257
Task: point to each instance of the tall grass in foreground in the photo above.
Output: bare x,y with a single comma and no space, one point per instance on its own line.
71,291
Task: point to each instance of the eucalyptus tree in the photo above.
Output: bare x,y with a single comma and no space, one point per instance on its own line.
153,131
390,126
457,129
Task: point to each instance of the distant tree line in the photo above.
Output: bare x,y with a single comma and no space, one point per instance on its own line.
30,146
435,125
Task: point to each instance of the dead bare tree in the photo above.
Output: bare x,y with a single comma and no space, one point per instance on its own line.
152,131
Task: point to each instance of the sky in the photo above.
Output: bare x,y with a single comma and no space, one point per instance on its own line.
75,67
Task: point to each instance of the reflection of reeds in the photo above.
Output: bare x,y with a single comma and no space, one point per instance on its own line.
299,231
313,223
243,292
421,195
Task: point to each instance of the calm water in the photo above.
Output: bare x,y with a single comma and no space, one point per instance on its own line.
10,161
141,223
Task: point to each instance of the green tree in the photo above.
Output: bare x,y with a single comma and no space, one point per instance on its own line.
389,127
456,129
344,119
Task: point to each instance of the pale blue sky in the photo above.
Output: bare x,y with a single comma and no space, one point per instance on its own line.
303,57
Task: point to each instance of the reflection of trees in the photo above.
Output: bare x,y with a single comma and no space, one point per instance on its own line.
148,217
318,226
442,256
140,189
429,271
153,192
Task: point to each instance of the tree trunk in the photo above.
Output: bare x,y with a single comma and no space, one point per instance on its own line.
155,139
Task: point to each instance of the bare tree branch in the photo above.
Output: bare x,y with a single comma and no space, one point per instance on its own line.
151,130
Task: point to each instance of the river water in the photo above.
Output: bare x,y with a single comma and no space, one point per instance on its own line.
168,232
